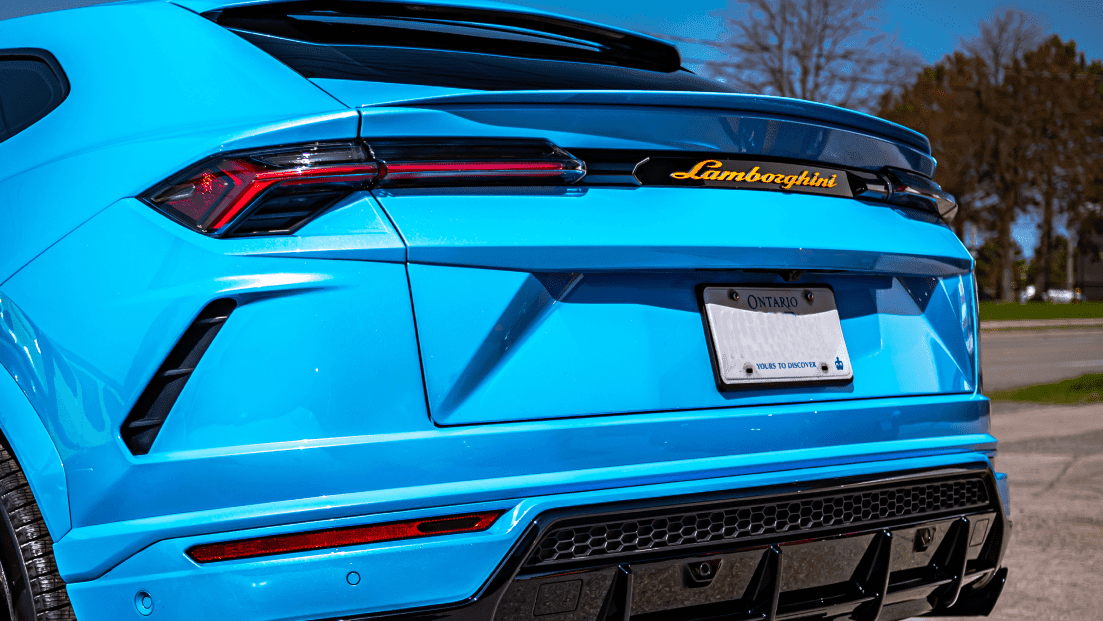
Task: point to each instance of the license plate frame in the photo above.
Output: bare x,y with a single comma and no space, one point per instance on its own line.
823,305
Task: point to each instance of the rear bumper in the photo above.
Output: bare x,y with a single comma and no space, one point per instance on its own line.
905,545
469,576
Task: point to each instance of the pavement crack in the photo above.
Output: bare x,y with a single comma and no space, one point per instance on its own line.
1049,486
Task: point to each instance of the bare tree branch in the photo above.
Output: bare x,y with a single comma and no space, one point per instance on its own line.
829,51
1003,39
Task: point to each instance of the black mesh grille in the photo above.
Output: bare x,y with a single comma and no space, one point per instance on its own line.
720,523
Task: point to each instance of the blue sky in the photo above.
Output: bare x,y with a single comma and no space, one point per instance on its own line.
931,28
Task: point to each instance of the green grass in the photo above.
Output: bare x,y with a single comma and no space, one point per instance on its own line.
995,311
1084,389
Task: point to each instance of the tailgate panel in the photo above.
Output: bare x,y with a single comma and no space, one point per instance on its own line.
503,346
547,306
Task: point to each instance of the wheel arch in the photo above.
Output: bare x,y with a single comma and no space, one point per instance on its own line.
27,439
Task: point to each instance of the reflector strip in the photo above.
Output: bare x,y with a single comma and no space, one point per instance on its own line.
420,170
340,537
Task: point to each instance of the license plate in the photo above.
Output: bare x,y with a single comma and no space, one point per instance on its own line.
782,335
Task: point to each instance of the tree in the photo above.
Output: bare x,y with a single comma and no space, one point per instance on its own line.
828,51
1004,39
978,109
988,272
943,104
1066,96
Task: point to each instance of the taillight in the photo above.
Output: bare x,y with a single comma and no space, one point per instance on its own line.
276,191
342,537
291,185
911,190
474,162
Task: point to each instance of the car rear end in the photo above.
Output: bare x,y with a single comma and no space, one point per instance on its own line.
483,313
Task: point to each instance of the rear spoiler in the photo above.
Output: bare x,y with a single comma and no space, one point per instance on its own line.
619,47
777,107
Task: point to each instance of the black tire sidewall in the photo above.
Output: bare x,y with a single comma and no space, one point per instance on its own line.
15,572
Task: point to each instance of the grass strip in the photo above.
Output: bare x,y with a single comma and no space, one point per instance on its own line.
995,311
1084,389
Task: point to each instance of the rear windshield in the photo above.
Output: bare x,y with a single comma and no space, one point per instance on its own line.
467,70
457,47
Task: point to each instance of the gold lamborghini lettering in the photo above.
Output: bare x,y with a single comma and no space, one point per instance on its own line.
692,174
713,170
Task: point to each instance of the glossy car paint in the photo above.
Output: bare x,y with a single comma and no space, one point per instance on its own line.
640,330
34,449
314,405
154,87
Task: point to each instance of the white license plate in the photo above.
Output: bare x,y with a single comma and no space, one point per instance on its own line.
780,335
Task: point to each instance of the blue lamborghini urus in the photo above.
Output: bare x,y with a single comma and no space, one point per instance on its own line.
425,310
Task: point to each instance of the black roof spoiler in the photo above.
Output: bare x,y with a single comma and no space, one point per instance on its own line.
514,33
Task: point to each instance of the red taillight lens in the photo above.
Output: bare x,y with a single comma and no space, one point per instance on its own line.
459,170
275,191
442,161
341,537
213,194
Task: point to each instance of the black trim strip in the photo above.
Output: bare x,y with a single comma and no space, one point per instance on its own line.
494,31
951,558
765,589
144,422
876,569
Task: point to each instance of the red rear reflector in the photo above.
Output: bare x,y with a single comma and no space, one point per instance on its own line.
341,537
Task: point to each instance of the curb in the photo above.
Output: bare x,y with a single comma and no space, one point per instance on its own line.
1036,324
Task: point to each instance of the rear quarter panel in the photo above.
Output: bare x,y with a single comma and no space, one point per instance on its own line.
154,87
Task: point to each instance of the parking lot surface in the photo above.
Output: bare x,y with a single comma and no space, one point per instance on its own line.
1013,358
1054,458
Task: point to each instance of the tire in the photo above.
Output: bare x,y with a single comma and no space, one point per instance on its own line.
32,588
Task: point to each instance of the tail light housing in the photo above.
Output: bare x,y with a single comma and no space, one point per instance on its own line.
908,189
461,162
277,191
214,196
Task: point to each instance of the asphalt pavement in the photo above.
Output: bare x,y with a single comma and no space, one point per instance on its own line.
1013,358
1053,456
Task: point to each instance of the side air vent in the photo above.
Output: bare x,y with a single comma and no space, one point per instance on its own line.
149,413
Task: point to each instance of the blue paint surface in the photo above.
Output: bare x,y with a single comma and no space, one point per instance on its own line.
163,88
